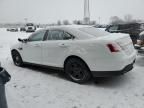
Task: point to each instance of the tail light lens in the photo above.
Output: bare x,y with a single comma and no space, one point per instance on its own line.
113,47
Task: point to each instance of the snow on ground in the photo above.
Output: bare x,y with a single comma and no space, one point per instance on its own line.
102,28
35,87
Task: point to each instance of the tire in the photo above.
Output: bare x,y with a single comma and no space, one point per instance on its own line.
17,59
77,70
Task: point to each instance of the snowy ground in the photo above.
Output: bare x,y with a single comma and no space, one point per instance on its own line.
35,87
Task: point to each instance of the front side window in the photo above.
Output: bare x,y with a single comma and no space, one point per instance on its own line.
37,36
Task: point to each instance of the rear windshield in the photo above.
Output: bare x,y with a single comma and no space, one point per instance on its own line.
94,31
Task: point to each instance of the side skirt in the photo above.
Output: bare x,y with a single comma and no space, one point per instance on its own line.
51,67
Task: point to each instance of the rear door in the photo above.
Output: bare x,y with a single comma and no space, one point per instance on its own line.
55,47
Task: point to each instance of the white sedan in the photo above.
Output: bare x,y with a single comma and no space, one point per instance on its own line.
82,52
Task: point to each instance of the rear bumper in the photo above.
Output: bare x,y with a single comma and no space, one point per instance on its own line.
113,73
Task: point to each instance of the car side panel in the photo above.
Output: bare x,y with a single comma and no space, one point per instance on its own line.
98,57
31,52
54,52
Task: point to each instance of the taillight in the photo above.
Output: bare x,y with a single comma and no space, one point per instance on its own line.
113,47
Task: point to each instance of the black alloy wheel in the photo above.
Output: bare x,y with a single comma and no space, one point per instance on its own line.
17,58
77,70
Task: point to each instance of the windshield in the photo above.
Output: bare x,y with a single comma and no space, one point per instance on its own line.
94,31
30,24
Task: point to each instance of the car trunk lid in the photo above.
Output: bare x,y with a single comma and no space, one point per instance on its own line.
121,40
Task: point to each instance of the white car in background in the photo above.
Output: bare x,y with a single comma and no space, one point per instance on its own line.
81,51
30,27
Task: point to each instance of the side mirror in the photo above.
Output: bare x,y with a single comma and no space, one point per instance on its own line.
23,40
20,40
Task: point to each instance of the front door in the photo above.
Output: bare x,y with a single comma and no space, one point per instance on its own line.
32,49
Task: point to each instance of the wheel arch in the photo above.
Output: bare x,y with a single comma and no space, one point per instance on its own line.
14,50
74,56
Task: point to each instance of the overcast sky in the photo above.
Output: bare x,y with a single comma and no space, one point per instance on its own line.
49,11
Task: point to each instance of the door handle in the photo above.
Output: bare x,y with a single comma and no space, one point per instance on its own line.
63,45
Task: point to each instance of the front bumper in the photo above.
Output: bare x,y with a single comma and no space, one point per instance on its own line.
113,73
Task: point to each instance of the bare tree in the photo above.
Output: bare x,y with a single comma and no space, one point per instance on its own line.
75,22
128,18
58,22
78,22
92,22
66,22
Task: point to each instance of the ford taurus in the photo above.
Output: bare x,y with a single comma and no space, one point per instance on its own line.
82,52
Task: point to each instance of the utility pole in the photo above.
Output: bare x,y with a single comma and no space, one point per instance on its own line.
86,12
99,20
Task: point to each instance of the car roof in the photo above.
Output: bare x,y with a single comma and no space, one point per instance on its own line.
80,31
68,26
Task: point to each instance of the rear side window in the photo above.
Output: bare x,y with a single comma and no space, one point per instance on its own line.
94,31
58,35
67,36
55,35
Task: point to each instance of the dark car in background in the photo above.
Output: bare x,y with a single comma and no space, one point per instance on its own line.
133,29
12,29
100,26
22,29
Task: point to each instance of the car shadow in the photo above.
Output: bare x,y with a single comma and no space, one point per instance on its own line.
47,70
111,82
